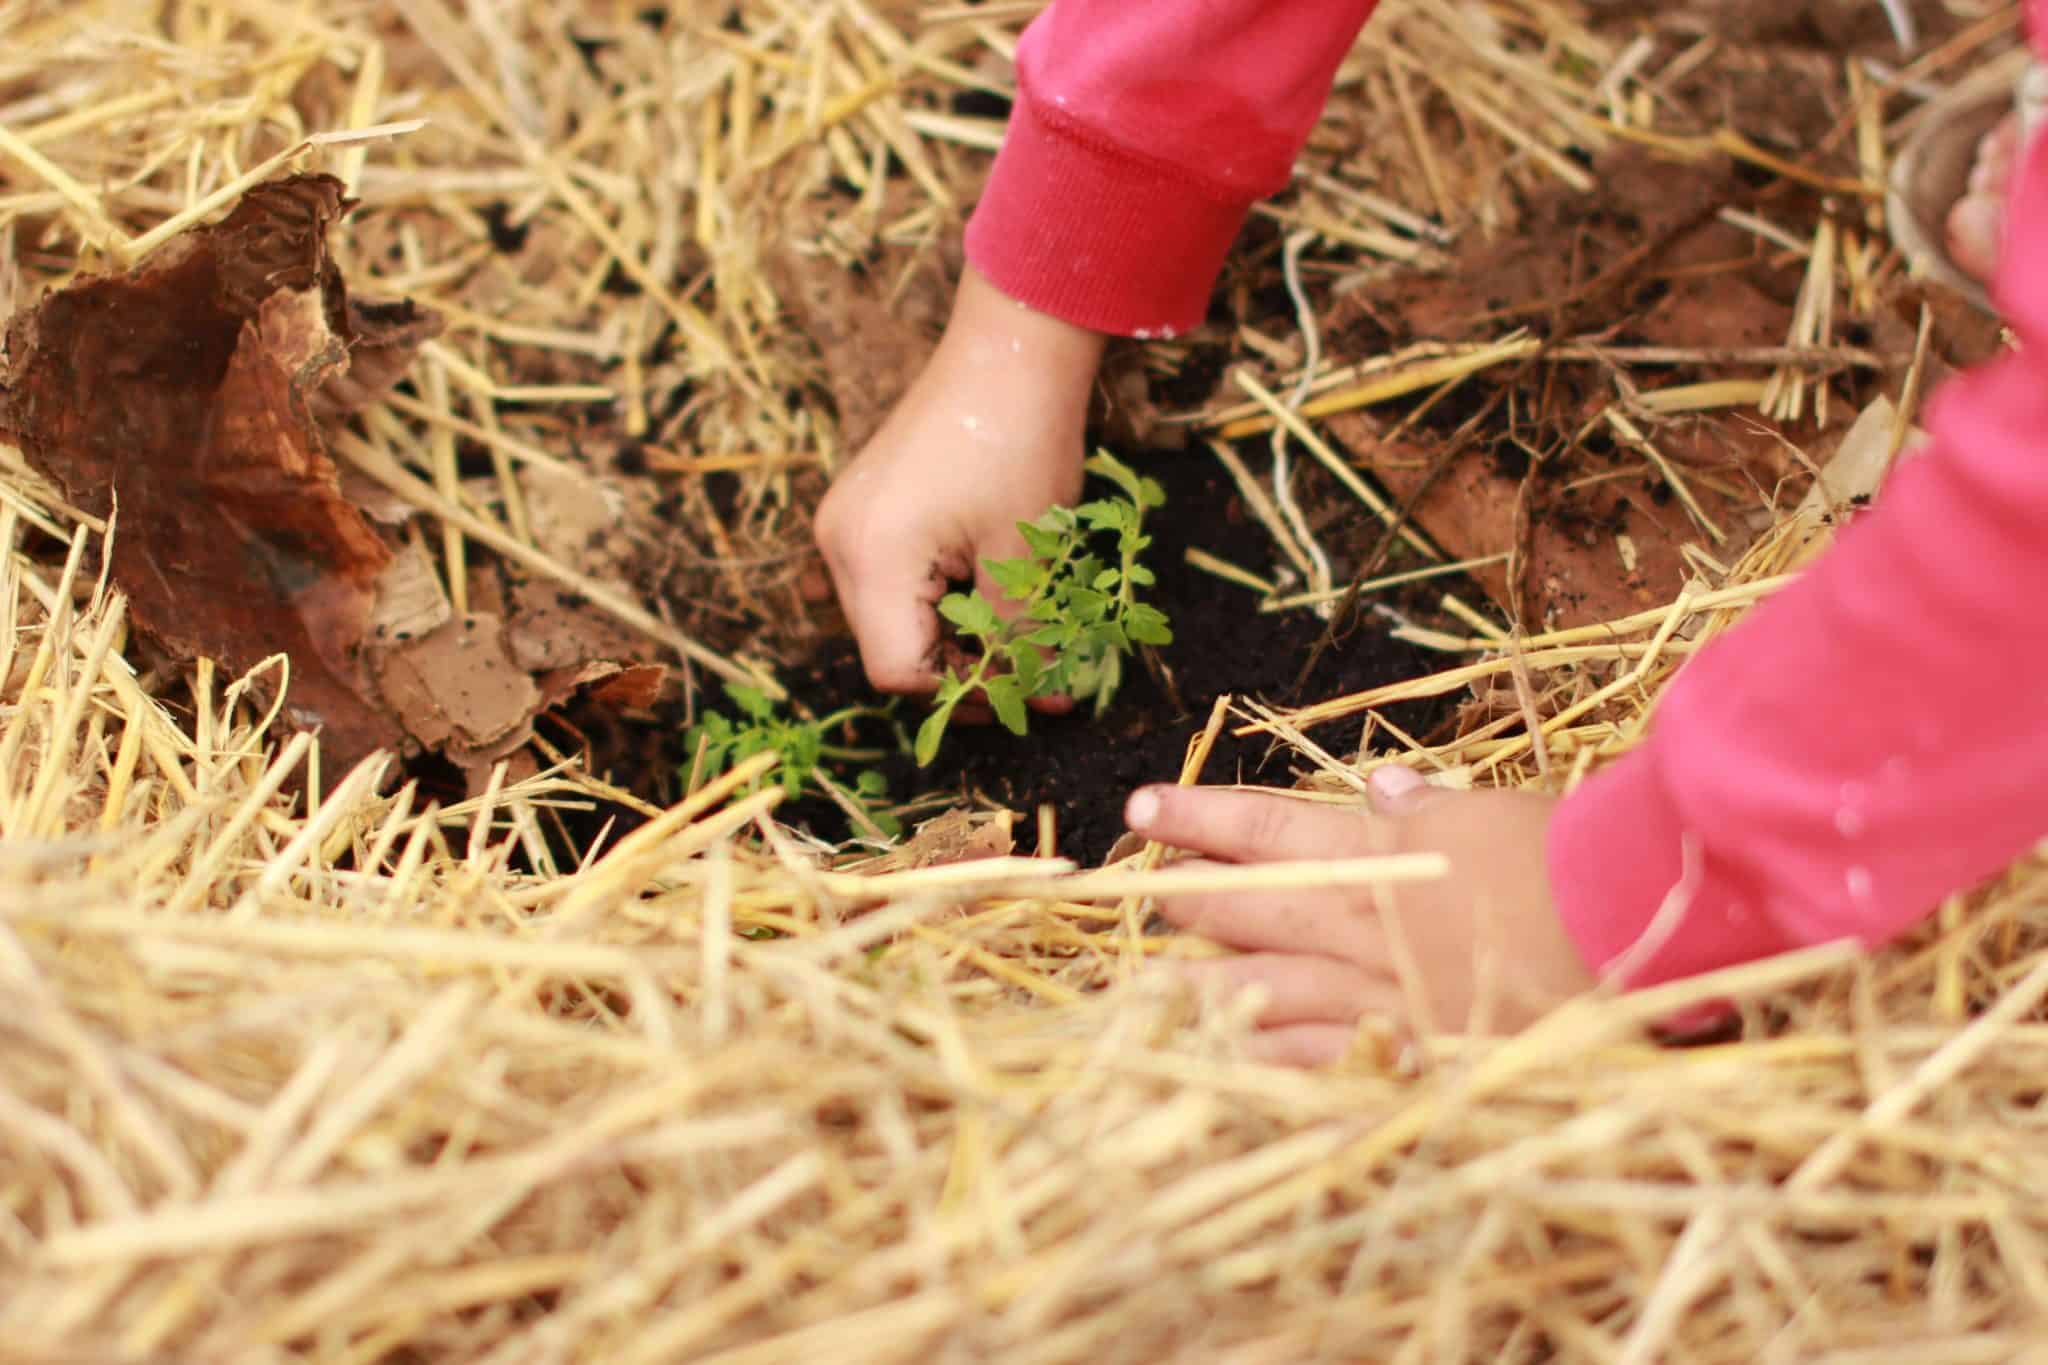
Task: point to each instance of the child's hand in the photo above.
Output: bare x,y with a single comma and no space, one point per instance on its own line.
1326,958
988,436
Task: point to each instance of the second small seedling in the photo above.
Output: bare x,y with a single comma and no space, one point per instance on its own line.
1079,610
718,742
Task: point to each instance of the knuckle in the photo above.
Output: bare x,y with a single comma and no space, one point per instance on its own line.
829,528
1266,824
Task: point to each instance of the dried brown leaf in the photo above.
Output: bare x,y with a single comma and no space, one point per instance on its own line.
958,836
183,395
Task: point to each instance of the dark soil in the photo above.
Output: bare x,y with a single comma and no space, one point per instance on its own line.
1081,765
1085,767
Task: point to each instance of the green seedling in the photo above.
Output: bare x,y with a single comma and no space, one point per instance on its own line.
718,742
1079,615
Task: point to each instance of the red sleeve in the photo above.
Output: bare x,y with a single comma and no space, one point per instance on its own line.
1876,736
1143,132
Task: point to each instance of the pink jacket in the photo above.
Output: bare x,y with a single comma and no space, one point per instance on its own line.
1868,741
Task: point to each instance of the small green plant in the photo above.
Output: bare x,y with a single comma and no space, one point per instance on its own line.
1080,614
718,742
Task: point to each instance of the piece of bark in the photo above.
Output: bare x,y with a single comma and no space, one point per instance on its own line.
958,836
459,692
574,517
635,687
630,687
410,602
579,522
184,399
383,339
182,396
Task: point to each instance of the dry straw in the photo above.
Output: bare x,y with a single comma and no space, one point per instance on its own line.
296,1066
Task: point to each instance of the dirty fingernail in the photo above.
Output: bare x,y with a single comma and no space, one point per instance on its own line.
1395,783
1142,809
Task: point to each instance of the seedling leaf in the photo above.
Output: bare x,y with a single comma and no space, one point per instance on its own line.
718,741
1078,604
1006,695
930,733
971,612
751,700
1147,625
1044,543
1016,577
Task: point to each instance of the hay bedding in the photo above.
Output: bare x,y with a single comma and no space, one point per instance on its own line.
301,1067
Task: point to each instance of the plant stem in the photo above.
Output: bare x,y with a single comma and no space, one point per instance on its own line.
846,755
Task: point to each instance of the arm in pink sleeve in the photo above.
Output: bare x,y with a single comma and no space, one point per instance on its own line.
1143,132
1876,736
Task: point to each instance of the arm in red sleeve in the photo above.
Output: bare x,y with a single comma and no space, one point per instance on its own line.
1875,737
1143,132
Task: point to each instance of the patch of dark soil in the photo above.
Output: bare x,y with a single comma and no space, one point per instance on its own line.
1196,376
507,238
981,104
1084,766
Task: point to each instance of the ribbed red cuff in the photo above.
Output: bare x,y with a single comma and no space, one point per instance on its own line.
1617,855
1095,235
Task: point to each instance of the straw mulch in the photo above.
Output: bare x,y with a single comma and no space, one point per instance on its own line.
296,1066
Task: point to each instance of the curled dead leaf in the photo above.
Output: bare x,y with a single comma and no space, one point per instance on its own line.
183,401
630,687
183,394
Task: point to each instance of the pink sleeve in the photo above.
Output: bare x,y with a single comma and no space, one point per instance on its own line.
1876,736
1143,132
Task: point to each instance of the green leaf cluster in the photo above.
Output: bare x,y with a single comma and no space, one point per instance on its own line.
1079,616
719,741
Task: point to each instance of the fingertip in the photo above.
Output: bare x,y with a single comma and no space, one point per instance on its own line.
1974,228
891,675
1395,788
1143,809
1243,824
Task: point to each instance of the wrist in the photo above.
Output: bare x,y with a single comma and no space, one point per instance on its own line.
990,331
1667,911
